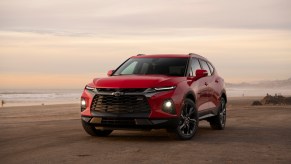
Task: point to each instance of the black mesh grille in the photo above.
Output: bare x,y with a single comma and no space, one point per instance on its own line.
127,90
120,104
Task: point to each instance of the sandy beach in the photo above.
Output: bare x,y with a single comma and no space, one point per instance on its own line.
53,134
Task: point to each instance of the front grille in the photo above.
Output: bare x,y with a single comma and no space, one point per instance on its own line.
120,104
126,90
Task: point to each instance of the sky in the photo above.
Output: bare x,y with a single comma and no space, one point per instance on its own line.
52,44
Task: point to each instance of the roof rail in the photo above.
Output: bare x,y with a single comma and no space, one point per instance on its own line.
197,55
192,54
140,54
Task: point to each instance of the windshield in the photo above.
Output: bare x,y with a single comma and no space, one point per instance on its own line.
159,66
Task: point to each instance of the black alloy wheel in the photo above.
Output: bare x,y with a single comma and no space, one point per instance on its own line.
188,123
218,122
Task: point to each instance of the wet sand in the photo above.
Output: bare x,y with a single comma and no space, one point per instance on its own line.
53,134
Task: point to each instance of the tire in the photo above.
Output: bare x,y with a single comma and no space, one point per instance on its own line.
218,122
91,130
188,123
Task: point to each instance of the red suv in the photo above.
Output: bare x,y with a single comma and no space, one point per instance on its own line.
146,92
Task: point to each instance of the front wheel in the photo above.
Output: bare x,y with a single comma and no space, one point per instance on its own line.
93,131
188,123
218,122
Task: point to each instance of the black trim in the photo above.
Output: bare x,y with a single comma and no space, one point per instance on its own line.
208,113
188,66
119,67
192,93
224,92
115,123
125,115
205,112
209,73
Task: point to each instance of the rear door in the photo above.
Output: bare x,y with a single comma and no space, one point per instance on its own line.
215,87
209,82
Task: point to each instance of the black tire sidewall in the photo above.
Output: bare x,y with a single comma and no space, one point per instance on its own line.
215,121
178,132
91,130
222,106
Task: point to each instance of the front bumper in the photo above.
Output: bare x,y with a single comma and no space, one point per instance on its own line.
115,123
128,115
154,100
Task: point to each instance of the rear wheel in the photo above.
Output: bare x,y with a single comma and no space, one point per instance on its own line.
188,123
218,122
93,131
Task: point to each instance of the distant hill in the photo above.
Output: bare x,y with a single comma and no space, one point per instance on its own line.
262,84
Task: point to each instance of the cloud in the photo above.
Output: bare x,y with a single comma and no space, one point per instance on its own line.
238,54
114,17
245,39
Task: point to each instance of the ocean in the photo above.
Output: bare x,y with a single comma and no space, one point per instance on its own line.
39,97
54,96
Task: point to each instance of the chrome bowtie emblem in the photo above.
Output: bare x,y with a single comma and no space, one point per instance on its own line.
117,93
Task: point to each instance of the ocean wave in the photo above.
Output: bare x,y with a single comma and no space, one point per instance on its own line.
39,96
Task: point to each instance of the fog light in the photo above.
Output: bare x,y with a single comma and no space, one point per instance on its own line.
83,104
169,106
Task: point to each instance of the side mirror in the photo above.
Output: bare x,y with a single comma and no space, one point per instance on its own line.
110,72
201,73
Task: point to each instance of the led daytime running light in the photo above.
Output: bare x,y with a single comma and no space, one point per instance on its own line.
165,88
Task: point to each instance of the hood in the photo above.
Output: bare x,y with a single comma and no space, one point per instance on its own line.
137,81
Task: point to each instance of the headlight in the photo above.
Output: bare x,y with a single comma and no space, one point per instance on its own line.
165,88
169,106
89,88
150,90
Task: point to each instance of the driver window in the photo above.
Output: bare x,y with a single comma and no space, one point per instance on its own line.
205,66
194,66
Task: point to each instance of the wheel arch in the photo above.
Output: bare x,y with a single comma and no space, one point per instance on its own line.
223,95
190,95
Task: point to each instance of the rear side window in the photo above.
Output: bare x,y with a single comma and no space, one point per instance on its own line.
205,66
211,68
194,66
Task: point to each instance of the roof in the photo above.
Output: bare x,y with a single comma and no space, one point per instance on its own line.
169,56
